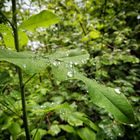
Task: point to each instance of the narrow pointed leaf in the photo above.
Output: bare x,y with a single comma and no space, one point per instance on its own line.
109,99
44,19
104,97
86,134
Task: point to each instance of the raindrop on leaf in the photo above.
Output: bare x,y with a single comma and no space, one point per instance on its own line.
117,90
24,65
70,74
56,63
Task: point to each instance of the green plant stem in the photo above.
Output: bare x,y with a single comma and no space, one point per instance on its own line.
22,90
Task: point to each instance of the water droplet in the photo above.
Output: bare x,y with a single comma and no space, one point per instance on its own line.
67,54
117,90
52,103
42,106
24,65
70,74
75,63
119,134
83,61
56,63
71,64
132,125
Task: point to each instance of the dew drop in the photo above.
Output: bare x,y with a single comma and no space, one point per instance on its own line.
132,125
75,63
83,61
52,103
119,134
56,63
71,64
87,91
24,65
117,90
70,74
42,106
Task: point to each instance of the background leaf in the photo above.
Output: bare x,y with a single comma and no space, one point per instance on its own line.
43,19
8,38
86,134
23,38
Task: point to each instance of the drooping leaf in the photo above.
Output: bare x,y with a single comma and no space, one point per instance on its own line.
102,96
109,99
44,19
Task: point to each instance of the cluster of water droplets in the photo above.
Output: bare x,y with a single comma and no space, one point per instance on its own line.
56,63
70,67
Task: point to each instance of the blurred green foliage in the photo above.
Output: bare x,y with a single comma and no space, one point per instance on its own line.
109,31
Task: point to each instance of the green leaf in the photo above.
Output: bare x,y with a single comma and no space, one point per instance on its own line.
102,96
67,128
6,120
8,38
27,61
32,63
54,129
38,133
7,35
86,134
94,34
4,77
63,69
44,19
109,99
15,128
23,38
